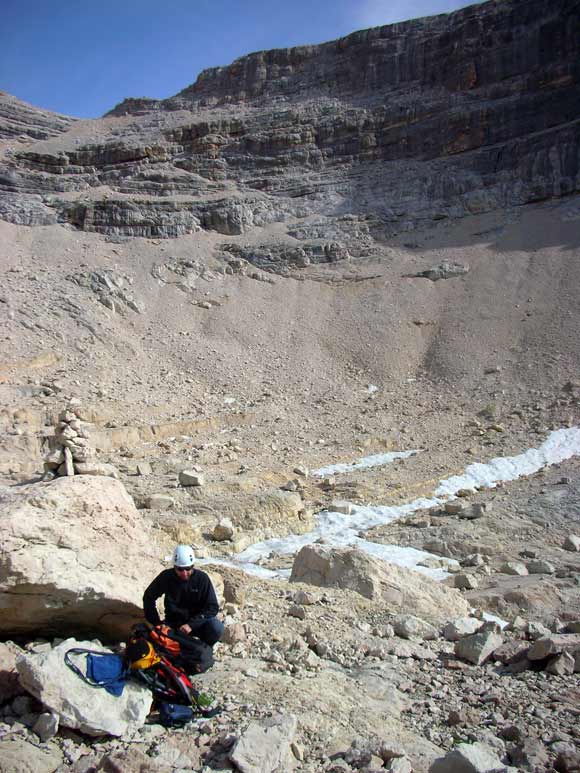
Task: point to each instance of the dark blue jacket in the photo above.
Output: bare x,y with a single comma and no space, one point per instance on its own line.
185,601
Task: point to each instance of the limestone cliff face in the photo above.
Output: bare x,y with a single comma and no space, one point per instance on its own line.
475,48
434,118
19,120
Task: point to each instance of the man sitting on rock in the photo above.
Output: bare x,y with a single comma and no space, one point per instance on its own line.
190,600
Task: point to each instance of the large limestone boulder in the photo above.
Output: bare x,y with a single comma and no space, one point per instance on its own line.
9,685
75,555
91,710
399,589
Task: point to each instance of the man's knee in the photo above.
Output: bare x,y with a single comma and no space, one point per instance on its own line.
212,631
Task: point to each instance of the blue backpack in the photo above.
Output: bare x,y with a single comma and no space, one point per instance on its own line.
177,715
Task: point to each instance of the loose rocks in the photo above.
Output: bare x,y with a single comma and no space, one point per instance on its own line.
477,648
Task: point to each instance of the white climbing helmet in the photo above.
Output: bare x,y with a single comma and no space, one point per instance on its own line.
183,555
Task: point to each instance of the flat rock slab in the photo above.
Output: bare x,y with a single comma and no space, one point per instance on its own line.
265,746
79,706
408,649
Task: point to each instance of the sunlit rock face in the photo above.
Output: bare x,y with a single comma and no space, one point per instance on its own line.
75,554
399,588
418,121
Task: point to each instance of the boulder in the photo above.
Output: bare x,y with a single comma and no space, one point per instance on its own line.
410,627
159,502
530,754
554,645
476,510
46,726
453,508
132,760
473,559
191,478
96,468
223,530
572,543
265,746
398,588
561,665
340,506
536,630
75,555
477,648
460,628
297,611
445,270
512,651
9,684
539,566
234,633
469,758
515,568
404,649
568,761
76,704
465,582
303,598
399,765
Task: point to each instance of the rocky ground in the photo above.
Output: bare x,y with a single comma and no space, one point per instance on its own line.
249,407
248,393
204,300
346,682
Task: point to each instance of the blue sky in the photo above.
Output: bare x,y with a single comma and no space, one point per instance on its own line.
82,58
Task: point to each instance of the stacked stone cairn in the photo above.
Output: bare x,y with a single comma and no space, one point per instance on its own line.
70,451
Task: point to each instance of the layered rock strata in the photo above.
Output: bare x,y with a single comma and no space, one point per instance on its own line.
439,117
22,122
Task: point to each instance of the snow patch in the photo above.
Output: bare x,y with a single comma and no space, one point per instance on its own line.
560,445
340,530
376,460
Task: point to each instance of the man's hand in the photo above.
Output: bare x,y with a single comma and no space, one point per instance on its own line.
185,628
